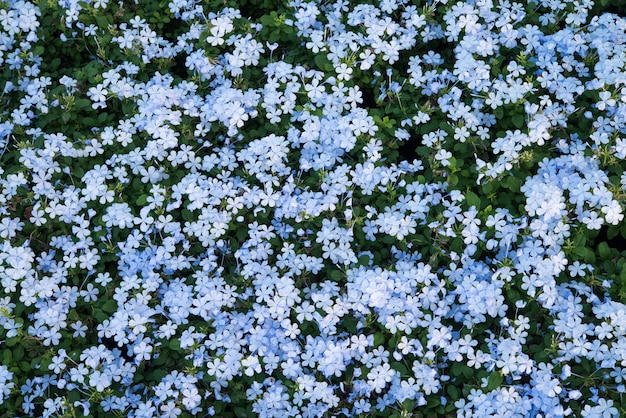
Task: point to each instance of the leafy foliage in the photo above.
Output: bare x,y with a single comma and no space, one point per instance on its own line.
239,208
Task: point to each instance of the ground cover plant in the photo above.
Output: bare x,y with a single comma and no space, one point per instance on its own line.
337,208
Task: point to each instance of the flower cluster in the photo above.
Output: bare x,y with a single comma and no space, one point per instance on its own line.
331,208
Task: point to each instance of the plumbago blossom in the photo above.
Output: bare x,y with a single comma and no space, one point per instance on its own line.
216,219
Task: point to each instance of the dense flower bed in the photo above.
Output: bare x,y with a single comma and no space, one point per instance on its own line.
312,209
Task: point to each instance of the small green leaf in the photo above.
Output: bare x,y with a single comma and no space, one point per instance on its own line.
103,20
274,36
612,232
99,315
408,404
399,367
512,183
82,104
623,230
38,50
349,324
109,306
364,260
518,120
187,215
580,251
494,382
453,391
321,61
472,199
267,20
19,352
142,200
604,250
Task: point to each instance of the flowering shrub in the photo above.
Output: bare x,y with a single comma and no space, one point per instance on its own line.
320,208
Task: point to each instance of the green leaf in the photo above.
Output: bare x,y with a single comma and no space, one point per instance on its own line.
408,404
581,251
242,233
518,120
109,306
38,50
142,200
453,392
512,183
92,69
364,260
349,323
82,104
322,62
267,20
472,199
99,315
399,367
159,361
103,20
156,375
388,239
604,250
187,215
73,396
494,382
580,240
623,230
274,36
456,369
19,352
612,232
